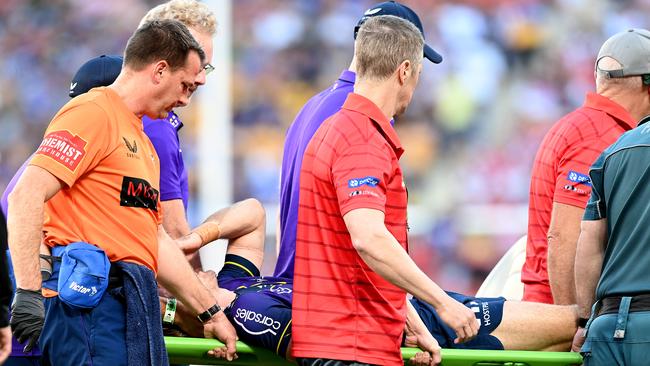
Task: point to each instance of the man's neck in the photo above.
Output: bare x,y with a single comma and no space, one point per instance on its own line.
382,93
353,65
632,103
129,89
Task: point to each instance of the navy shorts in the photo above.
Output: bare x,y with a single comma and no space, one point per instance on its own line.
488,311
261,312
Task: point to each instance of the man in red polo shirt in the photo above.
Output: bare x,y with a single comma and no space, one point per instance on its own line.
352,268
560,186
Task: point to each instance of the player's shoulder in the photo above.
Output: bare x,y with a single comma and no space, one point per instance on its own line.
580,124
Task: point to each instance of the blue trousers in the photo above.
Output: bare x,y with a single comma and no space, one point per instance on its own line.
632,347
73,336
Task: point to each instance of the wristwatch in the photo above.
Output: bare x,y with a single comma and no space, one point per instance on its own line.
208,314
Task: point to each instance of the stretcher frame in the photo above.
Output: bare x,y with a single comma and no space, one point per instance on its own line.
186,350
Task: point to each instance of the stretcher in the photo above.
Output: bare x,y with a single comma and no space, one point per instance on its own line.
193,351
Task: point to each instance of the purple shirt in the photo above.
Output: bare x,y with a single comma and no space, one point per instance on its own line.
163,134
311,116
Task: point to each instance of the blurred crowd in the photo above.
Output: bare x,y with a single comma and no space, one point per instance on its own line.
510,69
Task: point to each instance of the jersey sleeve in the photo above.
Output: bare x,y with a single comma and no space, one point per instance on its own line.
596,208
164,140
75,142
360,176
572,183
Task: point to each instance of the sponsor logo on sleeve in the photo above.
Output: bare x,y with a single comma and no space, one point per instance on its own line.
366,181
64,147
579,178
138,192
364,192
575,189
255,323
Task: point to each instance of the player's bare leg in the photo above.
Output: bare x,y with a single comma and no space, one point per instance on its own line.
537,327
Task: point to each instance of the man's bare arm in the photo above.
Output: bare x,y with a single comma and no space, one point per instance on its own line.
25,223
176,275
588,263
174,219
562,238
418,335
384,255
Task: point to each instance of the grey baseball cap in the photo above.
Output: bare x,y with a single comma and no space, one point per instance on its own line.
631,49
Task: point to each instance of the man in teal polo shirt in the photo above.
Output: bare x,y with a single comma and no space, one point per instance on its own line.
612,259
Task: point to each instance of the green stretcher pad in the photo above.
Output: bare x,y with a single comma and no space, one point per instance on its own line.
193,350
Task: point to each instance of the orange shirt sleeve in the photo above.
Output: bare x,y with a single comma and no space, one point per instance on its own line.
75,142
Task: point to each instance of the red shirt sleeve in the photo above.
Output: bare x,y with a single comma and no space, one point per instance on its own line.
360,176
572,183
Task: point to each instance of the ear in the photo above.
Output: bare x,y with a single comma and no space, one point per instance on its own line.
159,71
404,71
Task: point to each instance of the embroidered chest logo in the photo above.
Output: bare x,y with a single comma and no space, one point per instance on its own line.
132,147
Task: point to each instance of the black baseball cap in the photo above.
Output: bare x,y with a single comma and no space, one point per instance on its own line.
404,12
99,71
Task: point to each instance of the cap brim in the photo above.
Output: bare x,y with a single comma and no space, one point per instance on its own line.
432,55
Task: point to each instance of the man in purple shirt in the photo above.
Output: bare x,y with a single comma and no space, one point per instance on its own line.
311,116
99,71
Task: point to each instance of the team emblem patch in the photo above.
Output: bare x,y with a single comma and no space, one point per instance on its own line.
64,147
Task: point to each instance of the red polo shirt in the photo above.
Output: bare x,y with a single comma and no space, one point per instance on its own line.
561,174
342,309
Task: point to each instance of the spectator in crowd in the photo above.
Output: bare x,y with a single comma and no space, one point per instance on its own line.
560,186
611,265
96,72
91,165
351,235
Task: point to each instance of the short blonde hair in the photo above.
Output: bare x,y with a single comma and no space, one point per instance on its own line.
383,43
192,13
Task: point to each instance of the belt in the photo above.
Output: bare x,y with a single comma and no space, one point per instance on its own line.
114,275
610,305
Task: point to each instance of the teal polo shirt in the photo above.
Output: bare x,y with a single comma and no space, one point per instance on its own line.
620,180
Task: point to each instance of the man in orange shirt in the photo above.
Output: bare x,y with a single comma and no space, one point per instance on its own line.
106,174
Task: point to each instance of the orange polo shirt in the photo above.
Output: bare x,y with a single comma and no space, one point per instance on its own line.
98,148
